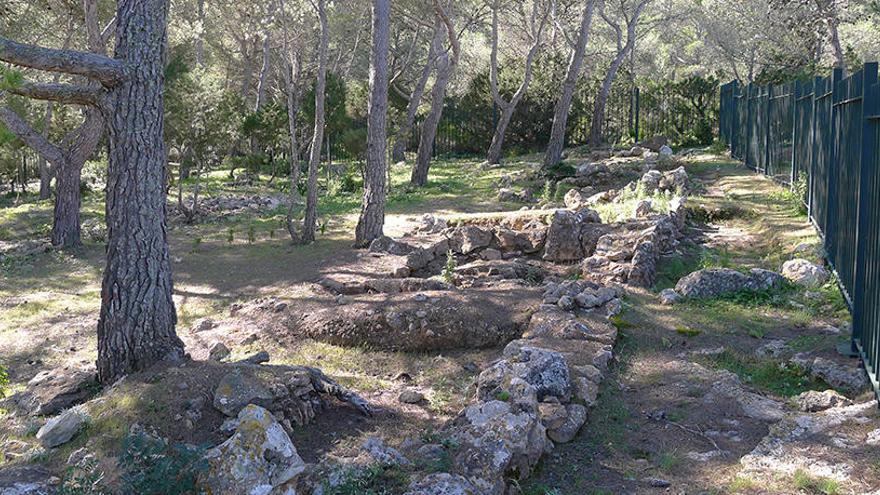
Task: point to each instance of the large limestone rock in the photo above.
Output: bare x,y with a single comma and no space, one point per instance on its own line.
239,388
525,242
469,238
546,371
258,459
62,428
714,282
572,236
805,273
52,391
498,440
815,401
565,430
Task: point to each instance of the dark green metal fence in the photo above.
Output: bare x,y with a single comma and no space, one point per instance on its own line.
828,131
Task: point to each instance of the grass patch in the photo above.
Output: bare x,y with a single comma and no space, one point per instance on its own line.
773,376
372,480
817,485
688,332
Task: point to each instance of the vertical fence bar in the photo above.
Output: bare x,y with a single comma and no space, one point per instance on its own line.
867,229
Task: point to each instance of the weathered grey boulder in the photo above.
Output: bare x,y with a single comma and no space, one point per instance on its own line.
525,242
497,440
62,428
572,235
714,282
669,296
239,388
650,181
258,459
385,244
565,431
543,369
805,273
442,484
644,265
52,391
847,378
575,199
815,401
676,181
469,238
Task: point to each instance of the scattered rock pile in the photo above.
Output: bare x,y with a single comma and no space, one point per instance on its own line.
216,207
537,394
628,252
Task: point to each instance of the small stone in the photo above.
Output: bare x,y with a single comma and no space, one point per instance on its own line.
218,352
205,324
250,339
657,482
258,358
410,396
669,297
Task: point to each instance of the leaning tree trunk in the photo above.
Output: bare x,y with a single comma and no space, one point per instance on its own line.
560,115
137,319
419,175
311,217
372,217
401,138
494,154
597,126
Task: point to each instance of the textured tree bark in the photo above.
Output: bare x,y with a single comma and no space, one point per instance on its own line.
398,152
563,104
372,218
311,217
137,318
65,218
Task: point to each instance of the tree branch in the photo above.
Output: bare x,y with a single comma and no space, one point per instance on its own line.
32,138
62,93
106,70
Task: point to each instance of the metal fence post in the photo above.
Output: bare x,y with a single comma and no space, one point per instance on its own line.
833,166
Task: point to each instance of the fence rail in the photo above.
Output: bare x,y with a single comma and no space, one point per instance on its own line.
827,131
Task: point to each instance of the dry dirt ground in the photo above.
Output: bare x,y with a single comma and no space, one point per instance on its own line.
659,427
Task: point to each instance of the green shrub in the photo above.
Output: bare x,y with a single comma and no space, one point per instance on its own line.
373,480
150,466
4,380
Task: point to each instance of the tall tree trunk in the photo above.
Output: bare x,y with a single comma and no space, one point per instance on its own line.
65,219
263,83
137,319
311,217
372,217
401,138
419,176
623,50
508,107
563,104
495,148
200,39
445,68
